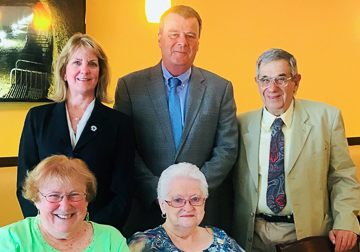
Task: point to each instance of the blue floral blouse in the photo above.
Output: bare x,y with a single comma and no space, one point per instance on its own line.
157,240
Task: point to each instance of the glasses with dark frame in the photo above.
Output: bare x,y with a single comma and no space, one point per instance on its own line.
57,197
180,202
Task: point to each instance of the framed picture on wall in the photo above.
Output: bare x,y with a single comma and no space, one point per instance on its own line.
32,34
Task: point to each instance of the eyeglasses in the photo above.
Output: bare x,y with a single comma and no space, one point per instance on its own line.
180,202
57,197
280,81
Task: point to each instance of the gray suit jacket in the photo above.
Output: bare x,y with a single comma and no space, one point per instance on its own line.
322,179
209,138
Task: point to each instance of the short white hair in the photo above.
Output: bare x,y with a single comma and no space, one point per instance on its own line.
180,170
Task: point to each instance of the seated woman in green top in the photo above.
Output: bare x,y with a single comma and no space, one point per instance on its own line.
60,187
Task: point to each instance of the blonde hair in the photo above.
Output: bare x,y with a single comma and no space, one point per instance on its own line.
58,92
62,168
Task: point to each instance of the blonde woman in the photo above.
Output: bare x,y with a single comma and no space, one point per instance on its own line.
78,125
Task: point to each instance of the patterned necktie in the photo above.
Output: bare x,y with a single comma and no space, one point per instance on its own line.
175,110
275,196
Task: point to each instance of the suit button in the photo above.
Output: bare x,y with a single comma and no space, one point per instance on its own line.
252,214
75,154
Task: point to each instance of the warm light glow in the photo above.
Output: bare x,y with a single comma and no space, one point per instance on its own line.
42,16
155,8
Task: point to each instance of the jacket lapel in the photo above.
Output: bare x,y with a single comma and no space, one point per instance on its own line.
195,97
156,89
60,122
93,126
251,140
299,133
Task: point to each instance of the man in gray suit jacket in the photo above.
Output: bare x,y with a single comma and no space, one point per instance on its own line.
302,184
208,124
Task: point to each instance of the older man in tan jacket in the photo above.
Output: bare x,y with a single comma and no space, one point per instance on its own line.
295,178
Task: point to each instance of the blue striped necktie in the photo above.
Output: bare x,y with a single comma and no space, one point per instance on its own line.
175,110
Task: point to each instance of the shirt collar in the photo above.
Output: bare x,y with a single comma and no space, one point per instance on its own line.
184,78
268,118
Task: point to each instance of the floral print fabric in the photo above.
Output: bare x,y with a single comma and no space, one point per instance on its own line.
157,240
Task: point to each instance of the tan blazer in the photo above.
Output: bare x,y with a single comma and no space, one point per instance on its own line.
324,189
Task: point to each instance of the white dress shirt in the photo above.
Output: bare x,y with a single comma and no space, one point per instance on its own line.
74,138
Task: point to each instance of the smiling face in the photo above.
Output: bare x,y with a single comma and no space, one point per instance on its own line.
65,217
179,43
277,100
82,72
187,216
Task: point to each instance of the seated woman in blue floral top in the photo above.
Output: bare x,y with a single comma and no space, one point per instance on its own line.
182,191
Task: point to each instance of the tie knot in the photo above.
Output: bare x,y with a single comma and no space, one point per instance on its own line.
278,123
174,82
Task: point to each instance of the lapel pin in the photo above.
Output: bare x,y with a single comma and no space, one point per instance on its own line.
93,128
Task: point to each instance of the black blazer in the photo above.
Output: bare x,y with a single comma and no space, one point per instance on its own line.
106,145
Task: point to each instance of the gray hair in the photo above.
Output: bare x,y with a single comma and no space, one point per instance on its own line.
277,54
180,170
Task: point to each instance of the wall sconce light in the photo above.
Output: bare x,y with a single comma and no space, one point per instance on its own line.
42,16
155,8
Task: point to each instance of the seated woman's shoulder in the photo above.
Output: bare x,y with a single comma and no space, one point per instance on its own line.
15,234
225,242
20,226
106,235
103,229
143,241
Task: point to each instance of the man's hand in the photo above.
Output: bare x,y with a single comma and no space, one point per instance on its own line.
343,239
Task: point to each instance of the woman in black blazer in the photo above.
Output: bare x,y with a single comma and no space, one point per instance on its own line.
78,125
